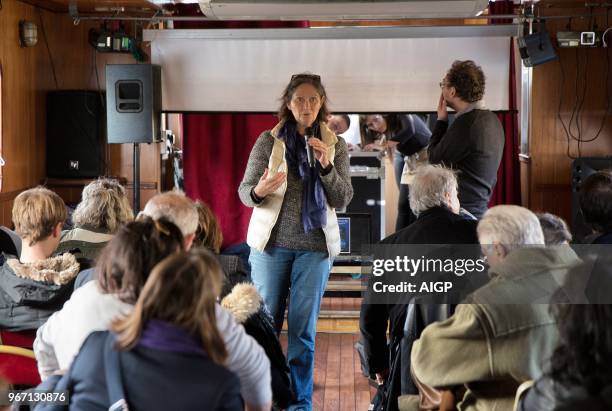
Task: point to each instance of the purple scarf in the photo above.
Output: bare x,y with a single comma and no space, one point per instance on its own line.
314,210
165,336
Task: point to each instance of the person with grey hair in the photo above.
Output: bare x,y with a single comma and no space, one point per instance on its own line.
434,200
179,209
434,186
104,207
504,332
554,228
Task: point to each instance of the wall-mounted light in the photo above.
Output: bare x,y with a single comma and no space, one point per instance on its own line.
28,33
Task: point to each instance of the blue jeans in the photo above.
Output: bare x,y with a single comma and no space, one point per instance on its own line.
302,275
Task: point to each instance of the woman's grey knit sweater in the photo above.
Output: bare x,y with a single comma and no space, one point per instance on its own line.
288,231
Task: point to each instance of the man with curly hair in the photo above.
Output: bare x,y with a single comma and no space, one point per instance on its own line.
473,144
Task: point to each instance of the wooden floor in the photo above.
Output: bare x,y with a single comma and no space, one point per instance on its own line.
339,384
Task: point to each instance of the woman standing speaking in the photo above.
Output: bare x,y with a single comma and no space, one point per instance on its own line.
293,232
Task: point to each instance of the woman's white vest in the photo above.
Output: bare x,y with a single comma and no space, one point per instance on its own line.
265,214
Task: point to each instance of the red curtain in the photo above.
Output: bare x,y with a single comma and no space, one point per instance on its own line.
508,187
216,147
507,190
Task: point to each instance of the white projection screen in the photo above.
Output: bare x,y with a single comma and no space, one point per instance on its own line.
373,70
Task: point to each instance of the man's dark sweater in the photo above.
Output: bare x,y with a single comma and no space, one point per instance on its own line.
473,145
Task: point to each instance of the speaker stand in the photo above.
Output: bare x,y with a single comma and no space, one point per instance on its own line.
136,165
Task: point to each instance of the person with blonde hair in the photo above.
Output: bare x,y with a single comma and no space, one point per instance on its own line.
35,285
168,353
104,207
208,233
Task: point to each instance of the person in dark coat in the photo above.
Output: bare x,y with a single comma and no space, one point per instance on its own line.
167,354
579,376
34,284
434,200
596,205
474,143
245,303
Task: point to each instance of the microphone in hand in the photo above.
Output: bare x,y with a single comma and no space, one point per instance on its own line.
309,150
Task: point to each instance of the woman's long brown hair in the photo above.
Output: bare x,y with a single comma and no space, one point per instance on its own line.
182,289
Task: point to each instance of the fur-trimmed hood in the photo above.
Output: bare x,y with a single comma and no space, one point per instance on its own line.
243,302
58,270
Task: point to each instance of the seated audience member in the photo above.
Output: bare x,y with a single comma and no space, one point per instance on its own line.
123,267
434,200
36,285
175,207
244,302
579,375
596,205
506,333
554,228
104,208
247,306
168,353
208,235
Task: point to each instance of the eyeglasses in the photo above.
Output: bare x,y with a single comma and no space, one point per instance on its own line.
443,84
314,77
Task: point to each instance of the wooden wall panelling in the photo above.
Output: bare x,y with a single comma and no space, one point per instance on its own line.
27,75
550,176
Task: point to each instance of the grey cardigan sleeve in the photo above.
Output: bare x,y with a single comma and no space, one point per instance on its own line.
337,183
256,165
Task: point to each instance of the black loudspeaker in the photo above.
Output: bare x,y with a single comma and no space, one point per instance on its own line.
76,145
581,169
536,49
133,103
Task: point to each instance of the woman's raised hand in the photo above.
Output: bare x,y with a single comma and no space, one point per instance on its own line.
268,184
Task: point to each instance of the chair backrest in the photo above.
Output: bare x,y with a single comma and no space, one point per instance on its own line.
18,366
17,360
23,339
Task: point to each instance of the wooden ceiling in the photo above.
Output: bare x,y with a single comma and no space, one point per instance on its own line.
148,7
107,7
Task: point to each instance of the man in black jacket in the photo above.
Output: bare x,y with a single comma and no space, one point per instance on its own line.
474,143
433,198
